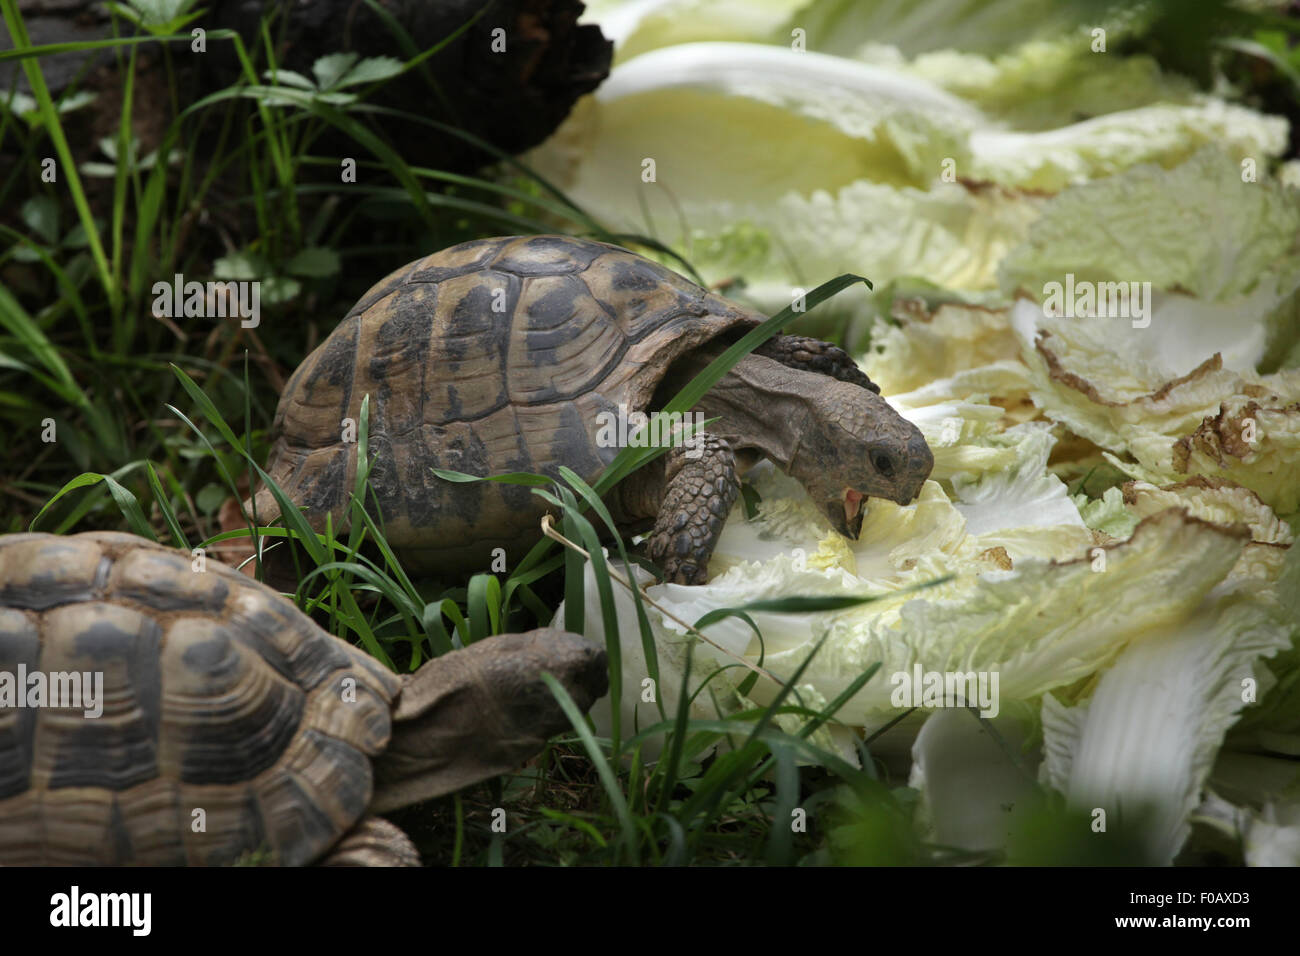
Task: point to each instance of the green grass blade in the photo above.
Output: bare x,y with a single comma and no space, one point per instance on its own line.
594,502
165,509
54,127
608,779
780,845
125,500
694,390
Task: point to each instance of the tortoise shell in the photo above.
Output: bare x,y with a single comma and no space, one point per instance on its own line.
491,356
230,720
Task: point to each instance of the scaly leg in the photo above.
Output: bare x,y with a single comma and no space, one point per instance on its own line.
698,488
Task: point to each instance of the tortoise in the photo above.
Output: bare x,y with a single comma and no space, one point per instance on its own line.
515,353
230,722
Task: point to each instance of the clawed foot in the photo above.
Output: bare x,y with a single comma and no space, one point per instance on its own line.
814,355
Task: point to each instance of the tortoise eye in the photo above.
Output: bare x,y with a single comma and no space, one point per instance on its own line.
882,463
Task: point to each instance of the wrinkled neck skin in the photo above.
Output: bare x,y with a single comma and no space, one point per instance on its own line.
764,407
447,734
481,711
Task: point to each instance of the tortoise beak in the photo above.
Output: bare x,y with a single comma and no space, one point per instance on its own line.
920,462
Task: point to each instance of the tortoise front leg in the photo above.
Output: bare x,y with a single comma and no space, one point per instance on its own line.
698,488
814,355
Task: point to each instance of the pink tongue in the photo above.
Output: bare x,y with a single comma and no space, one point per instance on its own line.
852,504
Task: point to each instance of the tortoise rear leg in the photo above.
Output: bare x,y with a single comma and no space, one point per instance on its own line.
694,493
373,842
814,355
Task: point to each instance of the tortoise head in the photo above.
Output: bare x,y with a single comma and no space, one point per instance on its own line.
480,712
853,446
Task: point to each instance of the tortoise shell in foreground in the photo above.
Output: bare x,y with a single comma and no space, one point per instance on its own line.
514,354
230,722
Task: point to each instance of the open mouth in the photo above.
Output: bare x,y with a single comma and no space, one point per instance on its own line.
853,505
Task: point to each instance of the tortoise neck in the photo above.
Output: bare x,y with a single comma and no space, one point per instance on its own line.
763,407
481,711
439,743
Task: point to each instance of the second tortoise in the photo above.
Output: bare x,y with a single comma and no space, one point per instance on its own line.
229,724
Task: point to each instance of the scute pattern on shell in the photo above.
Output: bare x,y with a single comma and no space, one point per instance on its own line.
218,695
492,356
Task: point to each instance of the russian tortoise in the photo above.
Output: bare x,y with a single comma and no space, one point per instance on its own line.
512,354
230,722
